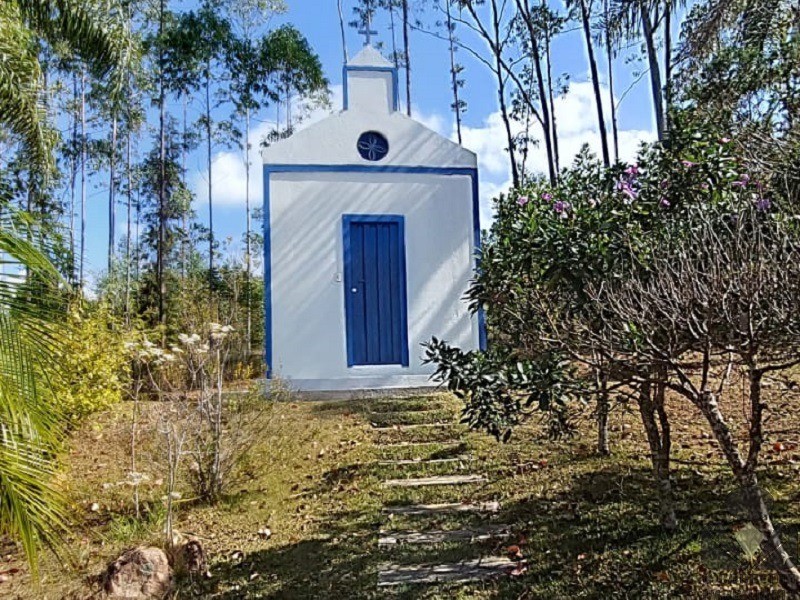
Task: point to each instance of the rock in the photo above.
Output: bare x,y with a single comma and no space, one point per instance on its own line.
190,558
140,573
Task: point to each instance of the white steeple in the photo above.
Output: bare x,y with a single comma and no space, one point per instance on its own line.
370,83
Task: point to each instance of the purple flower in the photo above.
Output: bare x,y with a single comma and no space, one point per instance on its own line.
547,196
725,140
688,164
632,171
561,208
522,200
664,203
763,204
742,181
626,188
664,184
593,202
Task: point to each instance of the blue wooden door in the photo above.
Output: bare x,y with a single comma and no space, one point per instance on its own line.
375,290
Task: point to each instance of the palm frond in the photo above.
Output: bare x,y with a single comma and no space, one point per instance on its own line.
31,503
21,110
96,30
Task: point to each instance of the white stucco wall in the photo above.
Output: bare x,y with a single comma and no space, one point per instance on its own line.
308,342
370,91
308,314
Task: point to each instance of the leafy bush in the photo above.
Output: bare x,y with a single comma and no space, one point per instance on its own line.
498,394
93,364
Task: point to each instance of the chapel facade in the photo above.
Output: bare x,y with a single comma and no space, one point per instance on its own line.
371,231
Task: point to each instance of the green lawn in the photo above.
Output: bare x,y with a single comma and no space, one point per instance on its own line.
587,525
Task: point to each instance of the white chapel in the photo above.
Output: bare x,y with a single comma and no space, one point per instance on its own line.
371,226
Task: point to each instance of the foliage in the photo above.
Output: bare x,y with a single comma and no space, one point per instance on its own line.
96,34
497,396
94,366
740,64
31,504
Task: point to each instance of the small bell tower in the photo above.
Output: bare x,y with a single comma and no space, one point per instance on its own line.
370,83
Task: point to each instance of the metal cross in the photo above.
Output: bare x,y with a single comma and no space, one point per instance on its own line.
368,31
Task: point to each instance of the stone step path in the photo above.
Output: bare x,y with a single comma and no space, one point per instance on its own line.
437,480
443,508
460,572
473,569
426,461
394,538
442,445
410,426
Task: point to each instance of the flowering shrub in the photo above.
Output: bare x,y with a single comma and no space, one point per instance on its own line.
678,272
93,365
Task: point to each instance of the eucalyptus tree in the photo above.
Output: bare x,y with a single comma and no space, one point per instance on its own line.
295,70
496,32
650,22
456,80
540,24
195,60
248,60
585,11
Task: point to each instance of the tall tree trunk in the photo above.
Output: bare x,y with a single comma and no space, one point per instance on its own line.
598,97
553,126
210,189
667,65
536,58
73,181
248,259
112,189
395,57
129,203
501,94
162,187
407,56
660,443
655,73
454,72
185,213
82,255
341,26
610,68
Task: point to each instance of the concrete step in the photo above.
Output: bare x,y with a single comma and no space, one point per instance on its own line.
436,509
413,426
394,538
425,461
438,480
443,445
460,572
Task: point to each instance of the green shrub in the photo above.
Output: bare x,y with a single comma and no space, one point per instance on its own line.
93,364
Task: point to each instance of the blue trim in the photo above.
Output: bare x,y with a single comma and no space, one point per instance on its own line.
365,68
347,221
285,168
267,280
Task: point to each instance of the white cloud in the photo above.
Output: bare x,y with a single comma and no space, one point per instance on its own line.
228,168
576,120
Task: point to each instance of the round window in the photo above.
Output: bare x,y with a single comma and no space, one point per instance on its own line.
372,146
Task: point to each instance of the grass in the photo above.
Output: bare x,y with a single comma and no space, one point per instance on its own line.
586,524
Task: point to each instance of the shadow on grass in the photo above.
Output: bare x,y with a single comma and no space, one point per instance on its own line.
595,535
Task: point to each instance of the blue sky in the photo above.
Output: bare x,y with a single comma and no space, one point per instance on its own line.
431,98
